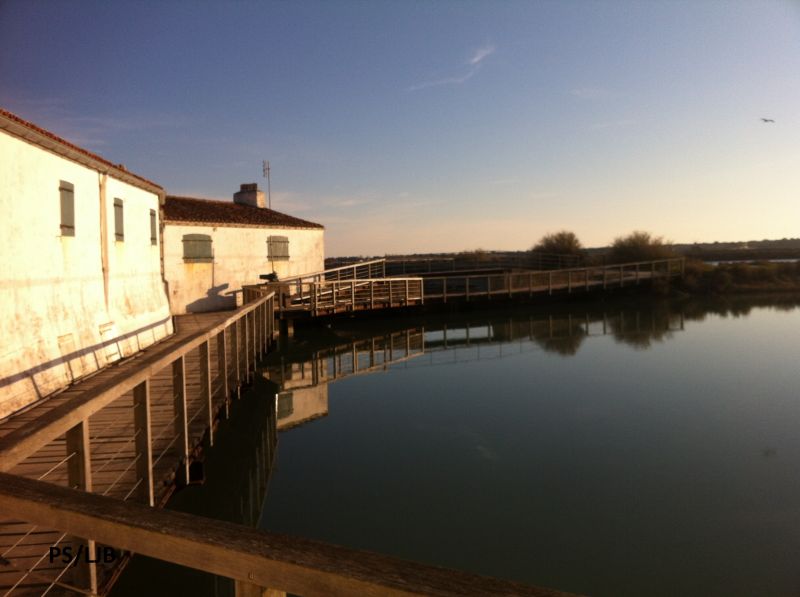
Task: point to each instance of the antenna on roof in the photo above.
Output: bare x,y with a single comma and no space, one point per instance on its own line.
265,166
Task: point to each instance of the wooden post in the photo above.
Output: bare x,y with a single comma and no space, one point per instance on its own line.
247,337
205,387
586,277
550,282
466,285
222,368
605,277
569,280
508,282
79,476
444,289
333,299
530,284
637,273
371,294
181,414
144,442
353,295
254,339
406,292
234,328
621,277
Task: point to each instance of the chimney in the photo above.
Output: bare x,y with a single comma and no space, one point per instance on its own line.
249,195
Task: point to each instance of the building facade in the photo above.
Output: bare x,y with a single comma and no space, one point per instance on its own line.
212,248
81,275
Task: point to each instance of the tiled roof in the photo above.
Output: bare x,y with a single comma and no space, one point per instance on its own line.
210,211
67,145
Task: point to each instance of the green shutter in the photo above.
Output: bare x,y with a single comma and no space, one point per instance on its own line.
67,193
285,404
153,233
278,248
197,247
119,227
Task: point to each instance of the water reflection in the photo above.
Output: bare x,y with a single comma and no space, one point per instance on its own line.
626,449
303,374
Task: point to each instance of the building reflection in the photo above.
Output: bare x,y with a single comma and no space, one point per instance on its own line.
303,375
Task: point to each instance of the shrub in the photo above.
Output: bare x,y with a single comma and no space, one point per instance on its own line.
639,246
560,243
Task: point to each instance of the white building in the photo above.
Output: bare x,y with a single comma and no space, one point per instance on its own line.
212,248
81,275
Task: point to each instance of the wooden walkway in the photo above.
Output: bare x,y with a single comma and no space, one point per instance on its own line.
131,432
364,286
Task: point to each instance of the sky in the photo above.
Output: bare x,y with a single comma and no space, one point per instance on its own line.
422,126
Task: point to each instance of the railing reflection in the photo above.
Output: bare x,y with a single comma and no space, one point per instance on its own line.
303,378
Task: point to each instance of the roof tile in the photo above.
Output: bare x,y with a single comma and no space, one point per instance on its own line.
211,211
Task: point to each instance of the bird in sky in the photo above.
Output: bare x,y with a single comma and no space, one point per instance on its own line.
767,120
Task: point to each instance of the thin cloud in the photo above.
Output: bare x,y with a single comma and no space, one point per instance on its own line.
474,64
481,53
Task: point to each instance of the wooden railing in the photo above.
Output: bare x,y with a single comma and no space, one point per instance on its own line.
131,431
509,284
259,562
326,298
374,268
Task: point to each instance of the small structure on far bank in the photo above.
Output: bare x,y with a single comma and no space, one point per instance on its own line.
212,248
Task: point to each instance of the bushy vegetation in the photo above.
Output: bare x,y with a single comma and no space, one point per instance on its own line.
703,278
563,242
638,246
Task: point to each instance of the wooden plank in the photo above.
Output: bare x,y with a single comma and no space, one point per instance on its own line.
300,566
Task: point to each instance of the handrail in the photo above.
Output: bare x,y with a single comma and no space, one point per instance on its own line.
251,557
333,269
28,438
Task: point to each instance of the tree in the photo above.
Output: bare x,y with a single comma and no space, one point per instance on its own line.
639,246
560,243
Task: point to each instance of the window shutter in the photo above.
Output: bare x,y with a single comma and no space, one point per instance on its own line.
285,404
119,229
67,194
197,247
278,248
153,232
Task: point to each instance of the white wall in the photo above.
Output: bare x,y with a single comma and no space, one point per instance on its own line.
60,319
240,256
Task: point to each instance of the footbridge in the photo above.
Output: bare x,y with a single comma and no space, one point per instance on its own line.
365,286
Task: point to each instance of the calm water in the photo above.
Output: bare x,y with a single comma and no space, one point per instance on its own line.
653,451
612,450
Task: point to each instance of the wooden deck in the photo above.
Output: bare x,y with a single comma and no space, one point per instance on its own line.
129,432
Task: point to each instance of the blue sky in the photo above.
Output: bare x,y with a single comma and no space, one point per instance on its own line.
435,126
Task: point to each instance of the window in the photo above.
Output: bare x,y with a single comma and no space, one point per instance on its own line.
285,404
67,192
153,232
278,248
119,228
197,248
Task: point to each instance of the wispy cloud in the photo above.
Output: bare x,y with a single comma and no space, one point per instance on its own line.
481,53
474,63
